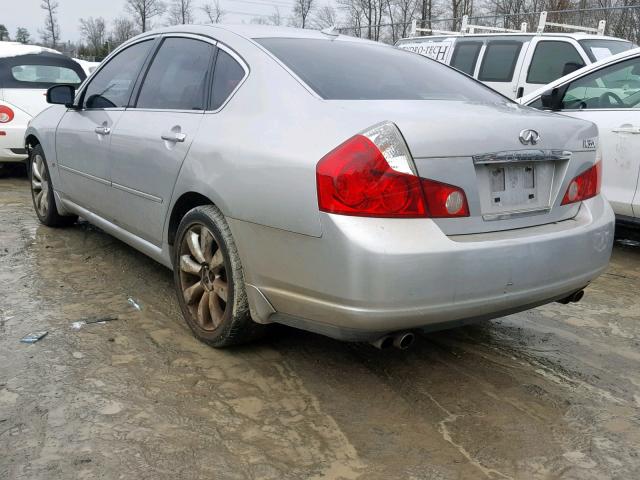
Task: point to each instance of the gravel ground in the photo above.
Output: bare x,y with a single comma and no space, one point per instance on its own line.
549,393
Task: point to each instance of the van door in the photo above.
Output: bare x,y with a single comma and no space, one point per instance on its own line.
548,59
501,60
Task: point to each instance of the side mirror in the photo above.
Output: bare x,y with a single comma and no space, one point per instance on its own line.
551,100
570,67
61,95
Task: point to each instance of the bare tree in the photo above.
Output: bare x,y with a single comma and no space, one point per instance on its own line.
94,32
275,18
123,30
4,33
301,11
144,10
181,12
213,11
325,17
51,33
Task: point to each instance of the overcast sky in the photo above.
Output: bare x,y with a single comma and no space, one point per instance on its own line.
28,14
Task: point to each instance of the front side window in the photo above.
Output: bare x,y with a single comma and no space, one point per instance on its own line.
226,76
353,70
112,85
499,61
178,75
599,49
615,86
465,56
552,60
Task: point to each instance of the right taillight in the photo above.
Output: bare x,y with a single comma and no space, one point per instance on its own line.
584,186
6,114
371,175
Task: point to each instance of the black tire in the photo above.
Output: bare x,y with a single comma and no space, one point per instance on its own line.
220,270
43,198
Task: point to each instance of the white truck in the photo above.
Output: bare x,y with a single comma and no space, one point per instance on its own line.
515,62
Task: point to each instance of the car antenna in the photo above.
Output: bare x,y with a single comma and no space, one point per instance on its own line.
331,31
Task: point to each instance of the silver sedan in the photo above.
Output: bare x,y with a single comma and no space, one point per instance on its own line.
324,182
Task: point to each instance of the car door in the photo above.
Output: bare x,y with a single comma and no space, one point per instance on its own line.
83,134
501,60
610,97
549,59
152,138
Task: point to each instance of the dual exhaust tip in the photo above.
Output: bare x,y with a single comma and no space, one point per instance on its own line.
402,341
573,298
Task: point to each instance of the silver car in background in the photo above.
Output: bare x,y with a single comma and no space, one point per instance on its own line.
324,182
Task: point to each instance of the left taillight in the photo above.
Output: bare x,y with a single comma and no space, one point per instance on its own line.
371,175
584,186
6,114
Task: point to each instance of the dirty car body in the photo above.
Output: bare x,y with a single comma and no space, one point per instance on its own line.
361,199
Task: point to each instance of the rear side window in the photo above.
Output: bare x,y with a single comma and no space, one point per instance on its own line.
465,56
354,70
112,85
178,75
226,76
499,62
552,60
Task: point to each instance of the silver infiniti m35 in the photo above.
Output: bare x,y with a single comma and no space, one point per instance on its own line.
324,182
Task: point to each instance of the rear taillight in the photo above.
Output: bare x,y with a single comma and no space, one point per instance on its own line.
6,114
584,186
371,175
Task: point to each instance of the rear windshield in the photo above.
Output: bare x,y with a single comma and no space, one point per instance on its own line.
599,49
44,74
344,70
39,71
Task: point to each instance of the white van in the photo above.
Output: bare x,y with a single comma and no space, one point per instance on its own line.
516,64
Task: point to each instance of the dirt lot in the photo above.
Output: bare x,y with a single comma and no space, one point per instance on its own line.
550,393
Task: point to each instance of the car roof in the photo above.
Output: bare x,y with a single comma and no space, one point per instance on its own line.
575,35
634,52
249,31
14,49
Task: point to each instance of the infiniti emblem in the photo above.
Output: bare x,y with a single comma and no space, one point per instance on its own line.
530,137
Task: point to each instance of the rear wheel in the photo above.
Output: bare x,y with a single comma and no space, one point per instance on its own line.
42,192
209,280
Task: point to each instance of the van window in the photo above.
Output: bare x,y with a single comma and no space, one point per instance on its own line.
465,56
551,60
499,62
599,49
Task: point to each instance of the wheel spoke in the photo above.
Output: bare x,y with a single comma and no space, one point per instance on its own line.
220,288
193,241
36,185
206,244
217,261
215,311
204,318
36,170
39,196
193,293
187,265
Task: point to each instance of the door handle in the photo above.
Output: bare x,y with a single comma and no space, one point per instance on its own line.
173,137
627,129
103,130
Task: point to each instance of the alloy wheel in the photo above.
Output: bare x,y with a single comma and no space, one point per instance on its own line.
203,277
40,185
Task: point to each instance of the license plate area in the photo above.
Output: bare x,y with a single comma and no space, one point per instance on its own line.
512,188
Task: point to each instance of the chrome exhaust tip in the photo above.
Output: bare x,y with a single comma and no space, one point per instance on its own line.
403,340
573,298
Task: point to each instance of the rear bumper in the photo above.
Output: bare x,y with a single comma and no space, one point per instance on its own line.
366,276
12,143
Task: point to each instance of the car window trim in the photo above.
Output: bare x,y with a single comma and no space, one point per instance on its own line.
533,55
516,57
241,62
135,96
87,82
